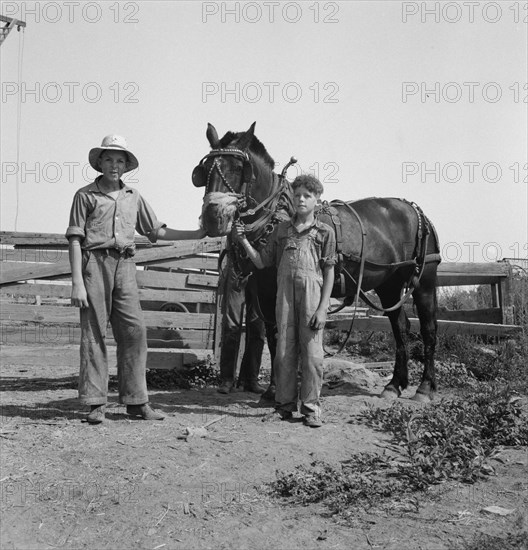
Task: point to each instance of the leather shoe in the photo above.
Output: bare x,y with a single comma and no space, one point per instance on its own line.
145,412
269,394
312,421
97,414
225,387
254,387
277,415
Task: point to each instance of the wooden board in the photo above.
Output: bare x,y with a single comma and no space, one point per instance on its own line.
40,289
52,256
444,327
11,272
69,356
33,254
184,296
210,281
455,274
70,315
32,239
487,315
23,333
22,271
158,279
180,248
203,263
64,291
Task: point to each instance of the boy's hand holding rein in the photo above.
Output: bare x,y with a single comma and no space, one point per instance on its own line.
239,236
239,233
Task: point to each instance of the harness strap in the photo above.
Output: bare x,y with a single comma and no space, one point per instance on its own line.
339,281
361,271
419,262
280,200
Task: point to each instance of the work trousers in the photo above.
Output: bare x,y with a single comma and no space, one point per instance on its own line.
300,282
110,282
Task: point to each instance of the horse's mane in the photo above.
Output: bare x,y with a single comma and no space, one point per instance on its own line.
255,147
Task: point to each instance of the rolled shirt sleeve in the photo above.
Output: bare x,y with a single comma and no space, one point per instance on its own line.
147,224
328,252
78,216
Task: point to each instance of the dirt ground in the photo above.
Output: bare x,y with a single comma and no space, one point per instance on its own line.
133,484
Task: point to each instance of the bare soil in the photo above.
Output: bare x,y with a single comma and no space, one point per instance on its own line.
128,483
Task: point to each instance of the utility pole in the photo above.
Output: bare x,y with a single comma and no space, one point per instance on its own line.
10,24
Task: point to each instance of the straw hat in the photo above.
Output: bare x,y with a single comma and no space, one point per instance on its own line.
112,142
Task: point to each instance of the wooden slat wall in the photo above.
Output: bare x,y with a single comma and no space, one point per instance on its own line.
179,274
184,273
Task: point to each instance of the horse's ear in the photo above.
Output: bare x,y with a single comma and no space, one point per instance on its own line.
245,140
212,136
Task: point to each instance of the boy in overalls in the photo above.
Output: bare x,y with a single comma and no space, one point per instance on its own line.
103,218
303,249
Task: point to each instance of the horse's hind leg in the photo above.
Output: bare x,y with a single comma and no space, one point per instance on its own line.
389,295
425,302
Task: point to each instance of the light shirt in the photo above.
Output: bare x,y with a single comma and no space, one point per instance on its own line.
106,221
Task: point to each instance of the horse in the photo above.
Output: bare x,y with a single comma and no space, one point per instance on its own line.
384,244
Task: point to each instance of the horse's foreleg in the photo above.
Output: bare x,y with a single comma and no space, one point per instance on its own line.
425,301
271,337
400,328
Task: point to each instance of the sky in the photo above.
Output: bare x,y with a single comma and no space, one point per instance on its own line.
419,100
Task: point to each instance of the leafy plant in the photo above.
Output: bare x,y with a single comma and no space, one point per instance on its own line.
197,375
483,541
450,440
363,481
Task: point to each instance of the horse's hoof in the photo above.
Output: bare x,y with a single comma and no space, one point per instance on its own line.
422,397
390,394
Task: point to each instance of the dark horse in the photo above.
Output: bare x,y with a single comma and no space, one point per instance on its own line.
385,244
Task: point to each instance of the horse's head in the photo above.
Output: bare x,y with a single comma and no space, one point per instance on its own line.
233,174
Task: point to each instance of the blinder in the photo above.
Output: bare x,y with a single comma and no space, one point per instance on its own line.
200,175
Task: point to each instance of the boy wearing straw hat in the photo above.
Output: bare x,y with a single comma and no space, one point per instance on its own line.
103,218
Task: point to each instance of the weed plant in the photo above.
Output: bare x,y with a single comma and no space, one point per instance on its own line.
450,440
198,375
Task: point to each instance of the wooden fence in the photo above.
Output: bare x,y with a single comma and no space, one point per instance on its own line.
178,292
495,320
180,297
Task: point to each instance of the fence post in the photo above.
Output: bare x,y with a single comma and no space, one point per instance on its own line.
505,296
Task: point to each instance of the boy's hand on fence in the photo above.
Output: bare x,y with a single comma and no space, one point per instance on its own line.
79,298
318,320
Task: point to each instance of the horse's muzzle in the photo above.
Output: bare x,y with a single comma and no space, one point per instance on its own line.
218,213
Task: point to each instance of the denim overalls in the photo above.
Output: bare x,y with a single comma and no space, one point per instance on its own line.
300,279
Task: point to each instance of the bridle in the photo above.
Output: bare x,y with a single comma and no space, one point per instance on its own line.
215,154
279,199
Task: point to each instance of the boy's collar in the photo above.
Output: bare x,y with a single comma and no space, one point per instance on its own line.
94,186
315,222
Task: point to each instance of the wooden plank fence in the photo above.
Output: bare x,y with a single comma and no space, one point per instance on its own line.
495,320
178,291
